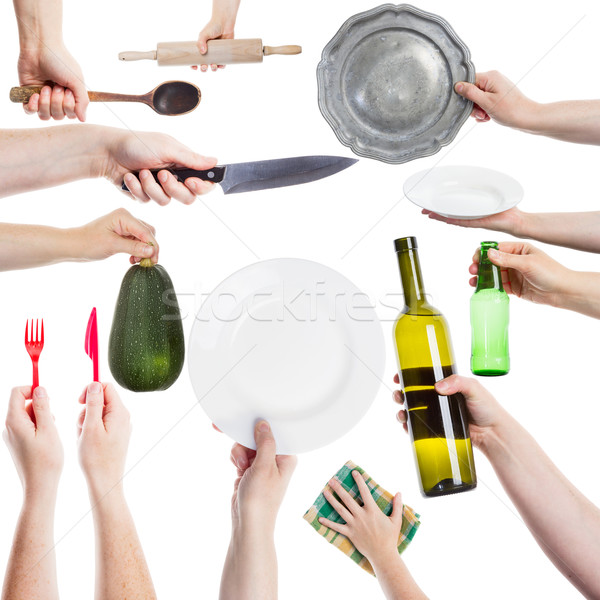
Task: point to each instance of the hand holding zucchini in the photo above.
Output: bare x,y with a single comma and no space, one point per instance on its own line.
146,348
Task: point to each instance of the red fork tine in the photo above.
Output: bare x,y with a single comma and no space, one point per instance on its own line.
26,328
42,340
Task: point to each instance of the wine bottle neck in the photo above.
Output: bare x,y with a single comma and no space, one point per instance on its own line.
489,275
412,278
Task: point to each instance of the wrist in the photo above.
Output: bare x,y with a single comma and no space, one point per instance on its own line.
35,39
533,118
495,439
103,141
385,559
226,20
522,224
41,496
105,495
253,526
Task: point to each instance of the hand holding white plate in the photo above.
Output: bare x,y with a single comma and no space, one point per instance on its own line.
290,341
461,192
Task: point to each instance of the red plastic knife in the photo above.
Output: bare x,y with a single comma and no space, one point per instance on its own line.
91,342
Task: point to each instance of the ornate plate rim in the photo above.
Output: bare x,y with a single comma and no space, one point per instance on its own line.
351,143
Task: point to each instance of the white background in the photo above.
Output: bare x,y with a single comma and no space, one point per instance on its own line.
470,545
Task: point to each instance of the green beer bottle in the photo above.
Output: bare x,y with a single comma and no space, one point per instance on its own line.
438,425
489,319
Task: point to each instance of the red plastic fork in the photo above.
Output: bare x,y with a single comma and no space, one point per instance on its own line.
34,348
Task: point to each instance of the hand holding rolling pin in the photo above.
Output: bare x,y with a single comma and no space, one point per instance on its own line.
220,27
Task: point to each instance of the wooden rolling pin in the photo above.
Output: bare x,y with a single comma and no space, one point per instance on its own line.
219,52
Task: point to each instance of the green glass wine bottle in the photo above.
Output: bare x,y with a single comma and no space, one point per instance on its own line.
489,319
438,425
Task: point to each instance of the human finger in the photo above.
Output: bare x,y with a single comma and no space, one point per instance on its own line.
44,112
343,529
56,103
338,506
175,189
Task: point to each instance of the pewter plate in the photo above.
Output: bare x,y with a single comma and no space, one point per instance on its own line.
386,83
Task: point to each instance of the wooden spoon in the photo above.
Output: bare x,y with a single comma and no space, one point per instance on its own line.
169,98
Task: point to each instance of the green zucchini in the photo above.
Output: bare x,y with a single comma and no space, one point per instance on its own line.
146,348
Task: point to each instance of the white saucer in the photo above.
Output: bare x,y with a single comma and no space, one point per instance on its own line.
462,192
291,341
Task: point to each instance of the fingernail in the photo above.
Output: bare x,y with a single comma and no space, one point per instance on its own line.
459,87
144,175
242,463
264,427
45,91
128,178
148,250
40,393
202,49
441,385
94,388
493,253
163,176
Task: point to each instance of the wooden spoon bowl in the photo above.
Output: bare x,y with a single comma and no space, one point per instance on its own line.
175,98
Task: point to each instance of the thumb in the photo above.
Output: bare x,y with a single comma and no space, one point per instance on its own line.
456,384
185,157
94,404
134,248
508,260
397,507
41,408
202,42
265,444
81,97
471,92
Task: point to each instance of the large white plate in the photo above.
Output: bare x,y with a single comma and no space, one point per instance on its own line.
291,341
462,192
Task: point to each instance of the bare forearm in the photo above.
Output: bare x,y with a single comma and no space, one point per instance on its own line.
578,230
31,570
570,121
581,293
395,579
121,569
545,498
39,22
226,11
250,570
29,246
32,159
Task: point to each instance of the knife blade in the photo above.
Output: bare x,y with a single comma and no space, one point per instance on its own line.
265,174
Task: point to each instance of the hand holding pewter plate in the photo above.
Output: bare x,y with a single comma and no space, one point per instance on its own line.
290,341
386,83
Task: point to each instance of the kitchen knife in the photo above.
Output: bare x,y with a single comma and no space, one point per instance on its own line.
265,174
219,52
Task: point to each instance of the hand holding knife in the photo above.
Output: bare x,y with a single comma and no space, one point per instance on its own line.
265,174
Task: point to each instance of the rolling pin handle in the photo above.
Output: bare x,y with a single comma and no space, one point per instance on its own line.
150,55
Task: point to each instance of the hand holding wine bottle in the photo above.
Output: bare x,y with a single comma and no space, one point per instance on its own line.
483,409
530,479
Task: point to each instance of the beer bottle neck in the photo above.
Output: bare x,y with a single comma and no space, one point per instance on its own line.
489,275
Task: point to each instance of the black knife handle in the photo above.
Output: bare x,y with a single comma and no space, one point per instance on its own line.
215,175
